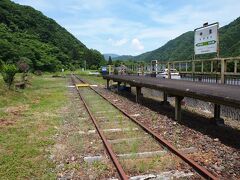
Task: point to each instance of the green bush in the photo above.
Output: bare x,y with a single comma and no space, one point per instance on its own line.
8,72
93,67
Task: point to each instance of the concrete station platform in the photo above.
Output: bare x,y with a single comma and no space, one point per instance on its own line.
219,94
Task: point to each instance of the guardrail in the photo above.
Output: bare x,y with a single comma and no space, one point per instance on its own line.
217,70
223,70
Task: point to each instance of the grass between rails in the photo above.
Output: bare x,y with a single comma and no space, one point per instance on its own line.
132,165
93,79
28,120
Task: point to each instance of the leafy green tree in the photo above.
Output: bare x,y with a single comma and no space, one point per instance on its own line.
110,60
23,67
27,33
8,72
1,64
93,67
94,57
117,63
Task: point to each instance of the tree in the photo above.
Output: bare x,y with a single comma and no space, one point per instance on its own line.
27,33
117,63
8,72
23,67
110,60
94,57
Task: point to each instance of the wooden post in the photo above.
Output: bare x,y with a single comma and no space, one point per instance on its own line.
173,65
223,71
202,67
138,94
211,66
169,72
108,80
165,100
193,70
217,113
178,100
118,86
156,67
109,69
130,89
235,66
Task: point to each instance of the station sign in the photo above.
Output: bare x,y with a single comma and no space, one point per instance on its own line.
206,39
104,68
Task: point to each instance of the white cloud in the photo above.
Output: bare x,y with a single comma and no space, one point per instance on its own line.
119,42
127,22
192,16
137,44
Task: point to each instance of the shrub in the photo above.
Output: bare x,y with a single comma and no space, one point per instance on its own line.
38,72
93,67
23,66
8,72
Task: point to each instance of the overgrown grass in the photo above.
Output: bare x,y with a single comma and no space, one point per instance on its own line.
93,79
28,120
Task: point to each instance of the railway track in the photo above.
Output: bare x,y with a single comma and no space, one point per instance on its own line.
133,148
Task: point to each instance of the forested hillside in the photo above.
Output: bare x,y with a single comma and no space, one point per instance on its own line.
28,34
123,57
176,49
181,48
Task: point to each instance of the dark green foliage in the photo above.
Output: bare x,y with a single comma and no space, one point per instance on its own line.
177,49
38,73
27,33
117,63
94,59
23,65
124,57
110,60
8,72
23,68
230,39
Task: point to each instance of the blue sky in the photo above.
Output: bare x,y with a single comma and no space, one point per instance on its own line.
133,26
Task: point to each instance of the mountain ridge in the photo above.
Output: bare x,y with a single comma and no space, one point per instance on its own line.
106,55
181,47
28,34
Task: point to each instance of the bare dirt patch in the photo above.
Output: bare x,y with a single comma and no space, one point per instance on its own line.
6,122
36,100
16,110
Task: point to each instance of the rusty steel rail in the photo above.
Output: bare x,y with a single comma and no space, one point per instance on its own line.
201,170
107,145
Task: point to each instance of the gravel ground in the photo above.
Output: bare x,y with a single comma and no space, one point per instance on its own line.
218,146
205,107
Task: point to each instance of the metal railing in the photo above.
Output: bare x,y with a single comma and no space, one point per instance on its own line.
217,70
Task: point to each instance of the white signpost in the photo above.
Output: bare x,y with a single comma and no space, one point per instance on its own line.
206,39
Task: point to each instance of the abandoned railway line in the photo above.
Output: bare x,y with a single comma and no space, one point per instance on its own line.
136,151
